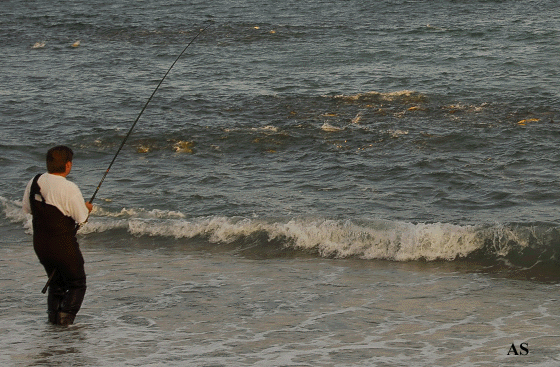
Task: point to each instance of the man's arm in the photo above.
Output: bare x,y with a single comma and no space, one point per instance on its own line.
26,205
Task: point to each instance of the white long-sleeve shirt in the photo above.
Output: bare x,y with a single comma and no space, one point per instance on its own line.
61,193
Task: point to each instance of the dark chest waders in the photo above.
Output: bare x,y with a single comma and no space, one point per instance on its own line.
56,246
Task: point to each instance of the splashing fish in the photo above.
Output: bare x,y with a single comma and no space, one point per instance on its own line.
525,121
184,147
39,44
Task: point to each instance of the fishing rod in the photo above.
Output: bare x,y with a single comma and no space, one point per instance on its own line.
142,111
51,276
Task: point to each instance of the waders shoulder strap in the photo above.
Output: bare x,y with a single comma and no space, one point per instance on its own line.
35,190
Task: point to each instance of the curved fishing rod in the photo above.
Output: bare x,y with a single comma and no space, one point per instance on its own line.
142,111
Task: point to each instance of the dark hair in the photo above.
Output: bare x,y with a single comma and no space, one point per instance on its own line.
57,158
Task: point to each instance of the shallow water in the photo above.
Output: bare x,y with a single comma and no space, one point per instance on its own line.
170,307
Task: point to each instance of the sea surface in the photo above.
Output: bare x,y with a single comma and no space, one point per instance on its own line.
315,183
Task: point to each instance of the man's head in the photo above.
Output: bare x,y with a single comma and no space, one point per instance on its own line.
58,159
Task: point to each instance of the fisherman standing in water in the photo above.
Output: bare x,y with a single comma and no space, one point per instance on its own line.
58,207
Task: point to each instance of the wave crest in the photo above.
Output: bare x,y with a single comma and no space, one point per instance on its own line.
512,245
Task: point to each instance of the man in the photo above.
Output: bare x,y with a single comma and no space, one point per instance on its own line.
58,207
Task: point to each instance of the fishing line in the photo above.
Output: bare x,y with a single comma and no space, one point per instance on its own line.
51,276
142,111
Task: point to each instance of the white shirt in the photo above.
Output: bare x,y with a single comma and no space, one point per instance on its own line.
61,193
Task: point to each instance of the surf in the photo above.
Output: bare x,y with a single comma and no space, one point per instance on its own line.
521,246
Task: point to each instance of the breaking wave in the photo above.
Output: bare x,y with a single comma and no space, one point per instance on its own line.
512,246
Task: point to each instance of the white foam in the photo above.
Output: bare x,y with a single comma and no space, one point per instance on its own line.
330,128
382,239
407,95
14,212
141,213
367,239
217,229
267,128
397,133
398,241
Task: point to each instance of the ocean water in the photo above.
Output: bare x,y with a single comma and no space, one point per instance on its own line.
314,183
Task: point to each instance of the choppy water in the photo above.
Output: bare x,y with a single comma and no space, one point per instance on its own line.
315,183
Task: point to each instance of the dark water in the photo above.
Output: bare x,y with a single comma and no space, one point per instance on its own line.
420,132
